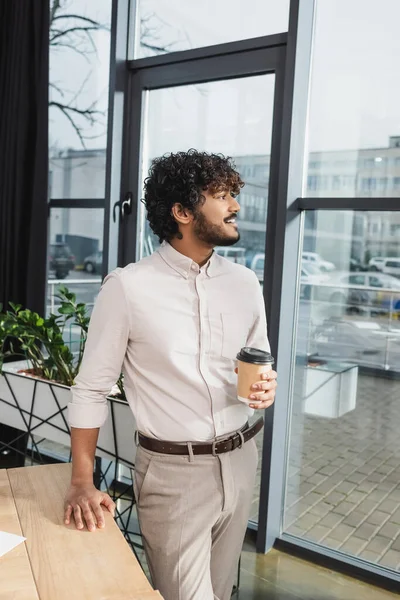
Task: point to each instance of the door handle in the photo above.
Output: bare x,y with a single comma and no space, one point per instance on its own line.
124,205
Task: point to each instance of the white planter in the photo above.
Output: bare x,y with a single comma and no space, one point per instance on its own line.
39,408
330,389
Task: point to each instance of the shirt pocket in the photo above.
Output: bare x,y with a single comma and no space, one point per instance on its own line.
235,332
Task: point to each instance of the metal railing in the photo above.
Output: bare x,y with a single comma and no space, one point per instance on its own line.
387,299
384,303
53,283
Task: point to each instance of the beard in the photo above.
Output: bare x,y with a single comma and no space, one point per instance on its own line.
211,234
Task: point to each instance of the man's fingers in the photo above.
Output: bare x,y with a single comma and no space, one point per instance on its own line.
78,517
88,515
67,514
262,405
109,504
98,513
265,385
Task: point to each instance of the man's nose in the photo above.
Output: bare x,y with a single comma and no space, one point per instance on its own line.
234,206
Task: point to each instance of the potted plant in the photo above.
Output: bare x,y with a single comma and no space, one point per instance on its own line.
35,387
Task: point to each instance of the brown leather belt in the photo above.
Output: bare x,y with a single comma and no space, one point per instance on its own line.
214,448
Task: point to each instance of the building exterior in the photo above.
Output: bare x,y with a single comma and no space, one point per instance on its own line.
365,173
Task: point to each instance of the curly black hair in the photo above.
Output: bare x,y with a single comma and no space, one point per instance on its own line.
181,178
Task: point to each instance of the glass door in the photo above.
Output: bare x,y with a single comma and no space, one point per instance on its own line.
233,117
225,104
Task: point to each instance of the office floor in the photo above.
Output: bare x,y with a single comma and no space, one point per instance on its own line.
279,576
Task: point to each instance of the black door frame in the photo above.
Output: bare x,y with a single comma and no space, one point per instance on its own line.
227,61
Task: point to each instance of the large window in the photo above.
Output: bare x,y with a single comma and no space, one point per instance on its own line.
343,483
78,97
78,103
75,256
176,25
354,128
342,488
233,117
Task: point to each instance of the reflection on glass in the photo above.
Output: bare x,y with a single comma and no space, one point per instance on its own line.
233,117
75,255
353,138
343,476
176,25
78,97
77,173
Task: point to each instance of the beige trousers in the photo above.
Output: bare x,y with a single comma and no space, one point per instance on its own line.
193,516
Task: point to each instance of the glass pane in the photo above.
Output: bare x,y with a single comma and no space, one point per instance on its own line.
343,478
75,255
233,117
200,117
176,25
77,174
354,135
78,97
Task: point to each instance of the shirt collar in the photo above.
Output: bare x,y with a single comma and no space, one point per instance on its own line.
183,264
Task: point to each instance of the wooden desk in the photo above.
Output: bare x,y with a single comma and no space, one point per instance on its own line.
58,562
16,578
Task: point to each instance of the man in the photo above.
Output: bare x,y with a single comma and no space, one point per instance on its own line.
174,322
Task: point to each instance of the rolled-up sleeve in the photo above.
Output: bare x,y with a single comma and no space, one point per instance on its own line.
258,336
105,349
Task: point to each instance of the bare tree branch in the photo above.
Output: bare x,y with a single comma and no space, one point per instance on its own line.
57,88
88,113
78,92
55,7
154,48
86,19
73,48
63,109
72,30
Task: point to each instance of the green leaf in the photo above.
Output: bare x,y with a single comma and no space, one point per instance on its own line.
66,310
16,307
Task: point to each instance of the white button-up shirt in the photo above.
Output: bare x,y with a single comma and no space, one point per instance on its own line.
174,330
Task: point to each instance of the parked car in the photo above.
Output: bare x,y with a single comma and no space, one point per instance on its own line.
61,260
361,342
236,255
356,265
315,259
376,263
250,255
372,291
257,265
310,275
93,263
391,266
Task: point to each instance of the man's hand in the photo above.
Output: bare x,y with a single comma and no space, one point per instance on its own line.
264,390
84,502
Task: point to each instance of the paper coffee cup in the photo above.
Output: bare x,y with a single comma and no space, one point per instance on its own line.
252,363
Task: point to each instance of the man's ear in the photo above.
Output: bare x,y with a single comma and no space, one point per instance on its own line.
182,214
